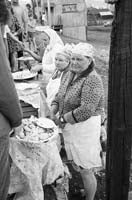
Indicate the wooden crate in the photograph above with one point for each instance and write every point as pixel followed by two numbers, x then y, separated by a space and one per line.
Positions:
pixel 28 110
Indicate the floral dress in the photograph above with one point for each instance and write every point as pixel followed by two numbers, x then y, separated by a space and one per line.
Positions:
pixel 14 27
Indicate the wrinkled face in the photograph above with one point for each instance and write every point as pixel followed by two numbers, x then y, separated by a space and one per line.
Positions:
pixel 61 62
pixel 79 63
pixel 42 40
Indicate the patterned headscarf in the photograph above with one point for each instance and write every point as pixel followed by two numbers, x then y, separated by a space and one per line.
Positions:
pixel 66 51
pixel 84 49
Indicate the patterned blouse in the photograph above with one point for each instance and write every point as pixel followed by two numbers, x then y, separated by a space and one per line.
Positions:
pixel 79 99
pixel 14 27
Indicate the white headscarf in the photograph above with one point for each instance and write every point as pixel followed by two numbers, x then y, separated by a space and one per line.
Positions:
pixel 84 49
pixel 55 43
pixel 54 37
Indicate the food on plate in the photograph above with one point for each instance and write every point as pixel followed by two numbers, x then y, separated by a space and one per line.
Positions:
pixel 37 129
pixel 45 123
pixel 25 74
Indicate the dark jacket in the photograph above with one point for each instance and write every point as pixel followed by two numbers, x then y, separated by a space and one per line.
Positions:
pixel 10 111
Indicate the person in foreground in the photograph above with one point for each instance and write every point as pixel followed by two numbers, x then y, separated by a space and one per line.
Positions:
pixel 10 112
pixel 80 101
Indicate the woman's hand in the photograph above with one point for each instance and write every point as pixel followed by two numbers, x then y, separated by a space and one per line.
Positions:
pixel 57 121
pixel 36 68
pixel 26 50
pixel 18 130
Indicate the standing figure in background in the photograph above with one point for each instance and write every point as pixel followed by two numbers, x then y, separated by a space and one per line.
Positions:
pixel 31 31
pixel 10 112
pixel 13 30
pixel 44 19
pixel 22 17
pixel 62 63
pixel 29 9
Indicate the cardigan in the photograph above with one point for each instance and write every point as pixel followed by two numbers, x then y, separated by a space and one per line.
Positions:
pixel 79 99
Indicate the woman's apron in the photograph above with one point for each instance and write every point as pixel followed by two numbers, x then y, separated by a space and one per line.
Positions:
pixel 52 89
pixel 82 142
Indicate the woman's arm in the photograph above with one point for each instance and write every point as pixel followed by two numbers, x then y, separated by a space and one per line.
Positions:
pixel 34 55
pixel 55 105
pixel 92 92
pixel 15 39
pixel 54 110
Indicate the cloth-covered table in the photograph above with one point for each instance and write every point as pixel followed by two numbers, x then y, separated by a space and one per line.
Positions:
pixel 32 93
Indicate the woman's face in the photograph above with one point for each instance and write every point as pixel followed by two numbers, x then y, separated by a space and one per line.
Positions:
pixel 61 62
pixel 42 40
pixel 79 63
pixel 45 39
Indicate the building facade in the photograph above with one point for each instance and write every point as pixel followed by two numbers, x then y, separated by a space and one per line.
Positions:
pixel 72 14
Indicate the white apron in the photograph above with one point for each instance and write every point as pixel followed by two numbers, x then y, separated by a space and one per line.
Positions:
pixel 52 89
pixel 82 142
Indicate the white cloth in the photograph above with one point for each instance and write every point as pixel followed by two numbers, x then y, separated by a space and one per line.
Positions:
pixel 82 142
pixel 7 30
pixel 31 96
pixel 44 109
pixel 34 165
pixel 55 44
pixel 52 89
pixel 54 37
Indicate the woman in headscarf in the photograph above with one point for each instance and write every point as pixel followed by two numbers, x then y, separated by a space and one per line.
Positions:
pixel 80 102
pixel 62 64
pixel 10 112
pixel 48 40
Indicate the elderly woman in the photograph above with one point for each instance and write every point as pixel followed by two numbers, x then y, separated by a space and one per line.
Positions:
pixel 48 43
pixel 80 102
pixel 62 63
